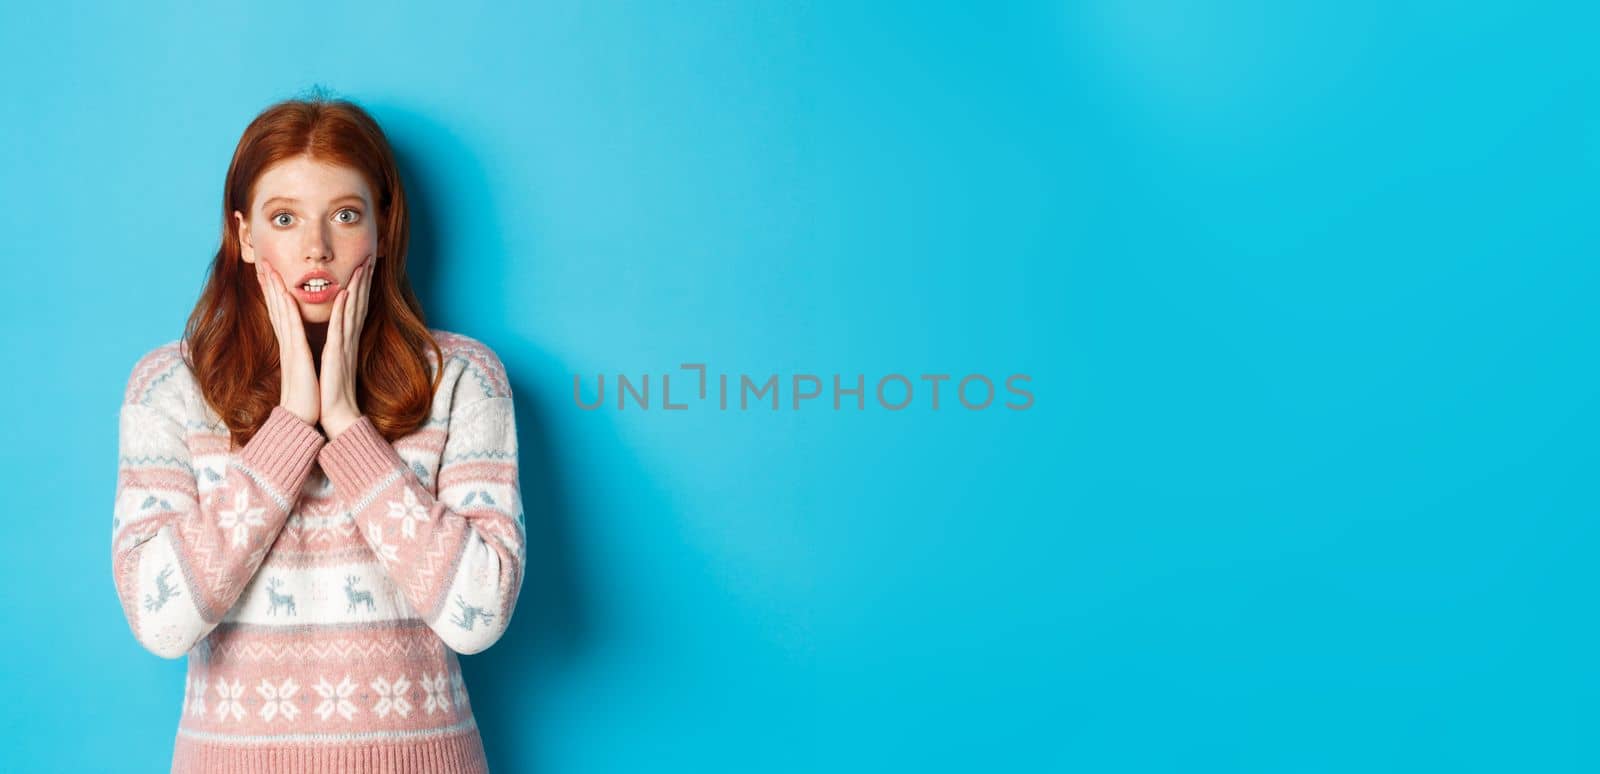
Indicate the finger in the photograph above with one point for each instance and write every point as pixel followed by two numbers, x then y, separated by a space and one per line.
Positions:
pixel 359 314
pixel 366 290
pixel 290 311
pixel 353 307
pixel 353 334
pixel 276 303
pixel 356 321
pixel 330 350
pixel 336 319
pixel 341 307
pixel 268 299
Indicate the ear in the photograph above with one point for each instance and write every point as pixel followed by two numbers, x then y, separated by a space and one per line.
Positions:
pixel 245 249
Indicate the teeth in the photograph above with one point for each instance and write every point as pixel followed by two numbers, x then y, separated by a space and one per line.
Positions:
pixel 317 284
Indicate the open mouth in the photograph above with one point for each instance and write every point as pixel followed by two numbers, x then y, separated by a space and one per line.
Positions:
pixel 319 290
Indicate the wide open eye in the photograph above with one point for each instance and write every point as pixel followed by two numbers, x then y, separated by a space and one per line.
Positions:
pixel 355 215
pixel 276 219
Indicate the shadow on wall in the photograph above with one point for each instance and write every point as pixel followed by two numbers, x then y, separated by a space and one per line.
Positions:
pixel 548 630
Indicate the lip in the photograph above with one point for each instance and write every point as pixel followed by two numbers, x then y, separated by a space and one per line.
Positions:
pixel 320 297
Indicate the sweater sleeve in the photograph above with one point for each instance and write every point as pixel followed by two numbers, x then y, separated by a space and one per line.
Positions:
pixel 188 534
pixel 458 556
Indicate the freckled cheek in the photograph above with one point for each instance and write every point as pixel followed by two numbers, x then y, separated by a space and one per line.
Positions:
pixel 278 253
pixel 280 263
pixel 357 247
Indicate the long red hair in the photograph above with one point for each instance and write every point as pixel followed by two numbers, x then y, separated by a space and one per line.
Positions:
pixel 230 344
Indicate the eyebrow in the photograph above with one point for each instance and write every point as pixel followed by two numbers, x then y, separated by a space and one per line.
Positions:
pixel 292 200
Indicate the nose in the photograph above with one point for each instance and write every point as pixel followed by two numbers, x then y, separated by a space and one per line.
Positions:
pixel 317 248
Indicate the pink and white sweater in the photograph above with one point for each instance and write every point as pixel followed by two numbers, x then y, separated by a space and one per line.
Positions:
pixel 321 589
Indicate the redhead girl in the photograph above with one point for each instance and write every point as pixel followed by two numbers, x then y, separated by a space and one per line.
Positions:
pixel 317 495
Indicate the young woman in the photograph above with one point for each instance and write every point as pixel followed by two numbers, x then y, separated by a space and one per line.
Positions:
pixel 317 495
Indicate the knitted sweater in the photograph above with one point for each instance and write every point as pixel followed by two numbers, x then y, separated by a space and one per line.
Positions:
pixel 322 589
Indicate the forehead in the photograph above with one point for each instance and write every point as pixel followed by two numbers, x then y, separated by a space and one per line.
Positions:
pixel 309 182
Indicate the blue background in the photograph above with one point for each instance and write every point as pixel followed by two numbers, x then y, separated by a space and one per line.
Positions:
pixel 1307 295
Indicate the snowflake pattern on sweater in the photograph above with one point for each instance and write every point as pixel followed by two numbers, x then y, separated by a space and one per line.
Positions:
pixel 321 589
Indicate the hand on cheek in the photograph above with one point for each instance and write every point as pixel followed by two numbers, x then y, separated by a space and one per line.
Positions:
pixel 339 353
pixel 299 391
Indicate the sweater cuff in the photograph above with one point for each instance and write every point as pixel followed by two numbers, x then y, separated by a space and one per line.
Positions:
pixel 283 449
pixel 359 457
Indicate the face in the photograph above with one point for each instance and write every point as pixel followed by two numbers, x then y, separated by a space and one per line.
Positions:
pixel 310 220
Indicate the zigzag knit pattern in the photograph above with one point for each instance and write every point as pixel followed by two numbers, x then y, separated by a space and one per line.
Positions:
pixel 322 589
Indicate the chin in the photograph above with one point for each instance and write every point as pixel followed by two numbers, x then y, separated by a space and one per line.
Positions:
pixel 320 313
